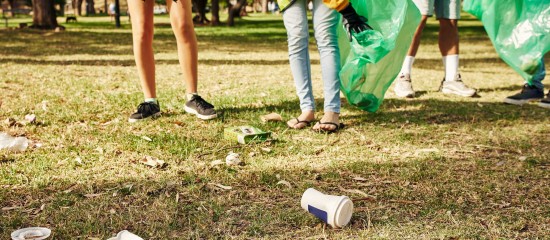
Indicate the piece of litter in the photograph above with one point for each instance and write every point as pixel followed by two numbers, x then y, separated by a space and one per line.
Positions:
pixel 232 159
pixel 267 150
pixel 220 186
pixel 272 117
pixel 126 235
pixel 10 208
pixel 35 233
pixel 147 138
pixel 93 195
pixel 31 118
pixel 522 158
pixel 216 163
pixel 359 179
pixel 112 211
pixel 286 183
pixel 15 144
pixel 78 160
pixel 153 162
pixel 45 105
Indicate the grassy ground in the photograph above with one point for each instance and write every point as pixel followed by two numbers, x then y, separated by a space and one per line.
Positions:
pixel 436 166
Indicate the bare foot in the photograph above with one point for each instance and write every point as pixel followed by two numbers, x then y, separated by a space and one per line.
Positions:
pixel 302 121
pixel 328 117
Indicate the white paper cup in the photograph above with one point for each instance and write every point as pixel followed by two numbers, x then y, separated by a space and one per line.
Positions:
pixel 35 233
pixel 336 211
pixel 126 235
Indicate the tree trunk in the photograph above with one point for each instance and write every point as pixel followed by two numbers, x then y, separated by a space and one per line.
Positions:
pixel 215 12
pixel 77 7
pixel 12 7
pixel 90 9
pixel 235 11
pixel 43 14
pixel 106 7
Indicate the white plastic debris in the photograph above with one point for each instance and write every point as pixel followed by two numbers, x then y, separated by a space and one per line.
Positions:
pixel 35 233
pixel 232 159
pixel 16 144
pixel 126 235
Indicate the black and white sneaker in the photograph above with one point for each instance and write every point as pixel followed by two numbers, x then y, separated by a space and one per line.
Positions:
pixel 145 110
pixel 527 94
pixel 545 102
pixel 200 107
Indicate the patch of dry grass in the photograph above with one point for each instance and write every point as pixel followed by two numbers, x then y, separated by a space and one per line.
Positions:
pixel 435 167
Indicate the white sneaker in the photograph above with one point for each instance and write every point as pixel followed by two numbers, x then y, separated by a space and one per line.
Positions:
pixel 403 86
pixel 457 87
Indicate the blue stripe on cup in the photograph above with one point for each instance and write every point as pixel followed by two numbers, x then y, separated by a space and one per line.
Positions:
pixel 318 213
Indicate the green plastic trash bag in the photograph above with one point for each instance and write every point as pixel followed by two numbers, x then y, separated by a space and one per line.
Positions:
pixel 519 30
pixel 373 59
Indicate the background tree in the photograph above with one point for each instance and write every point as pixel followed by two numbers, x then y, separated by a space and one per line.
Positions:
pixel 235 11
pixel 90 9
pixel 77 7
pixel 215 13
pixel 200 7
pixel 44 16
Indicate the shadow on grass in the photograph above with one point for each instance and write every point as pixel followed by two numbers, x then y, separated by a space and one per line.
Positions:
pixel 101 62
pixel 418 111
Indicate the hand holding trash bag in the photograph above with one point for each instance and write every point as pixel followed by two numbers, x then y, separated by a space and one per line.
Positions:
pixel 353 23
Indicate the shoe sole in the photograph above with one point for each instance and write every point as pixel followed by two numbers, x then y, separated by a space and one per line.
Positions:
pixel 203 117
pixel 519 102
pixel 447 91
pixel 156 115
pixel 544 105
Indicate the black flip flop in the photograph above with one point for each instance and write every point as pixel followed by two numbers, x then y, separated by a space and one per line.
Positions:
pixel 298 122
pixel 338 127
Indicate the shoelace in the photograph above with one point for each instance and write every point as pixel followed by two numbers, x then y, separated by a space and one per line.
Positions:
pixel 145 107
pixel 201 103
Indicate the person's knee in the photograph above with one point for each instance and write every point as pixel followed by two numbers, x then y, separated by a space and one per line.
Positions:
pixel 297 39
pixel 448 23
pixel 144 33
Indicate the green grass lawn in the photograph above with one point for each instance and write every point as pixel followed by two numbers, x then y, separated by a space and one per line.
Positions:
pixel 434 167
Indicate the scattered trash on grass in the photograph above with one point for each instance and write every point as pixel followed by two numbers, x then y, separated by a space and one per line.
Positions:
pixel 219 186
pixel 216 163
pixel 286 183
pixel 361 179
pixel 15 144
pixel 153 162
pixel 30 118
pixel 232 159
pixel 125 235
pixel 267 150
pixel 245 134
pixel 336 211
pixel 34 233
pixel 272 117
pixel 147 138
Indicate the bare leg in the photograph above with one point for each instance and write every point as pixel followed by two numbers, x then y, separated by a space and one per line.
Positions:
pixel 182 25
pixel 448 36
pixel 142 32
pixel 416 39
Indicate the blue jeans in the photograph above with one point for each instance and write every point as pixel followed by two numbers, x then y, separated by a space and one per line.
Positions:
pixel 325 23
pixel 539 76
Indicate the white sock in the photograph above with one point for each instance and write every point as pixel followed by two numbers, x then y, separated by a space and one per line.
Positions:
pixel 451 67
pixel 407 65
pixel 190 95
pixel 153 100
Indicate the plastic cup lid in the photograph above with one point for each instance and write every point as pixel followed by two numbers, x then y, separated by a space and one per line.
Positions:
pixel 343 213
pixel 34 233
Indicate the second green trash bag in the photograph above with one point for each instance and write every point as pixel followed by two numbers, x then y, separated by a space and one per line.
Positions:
pixel 519 30
pixel 372 61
